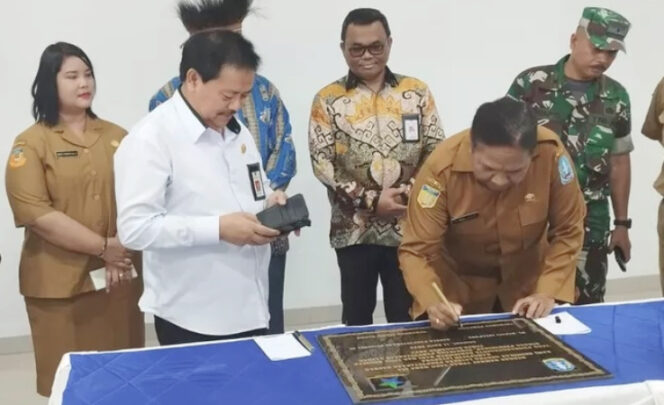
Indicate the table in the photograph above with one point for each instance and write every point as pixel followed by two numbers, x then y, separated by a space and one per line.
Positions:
pixel 626 339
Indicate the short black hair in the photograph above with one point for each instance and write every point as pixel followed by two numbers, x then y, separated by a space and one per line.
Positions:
pixel 208 52
pixel 504 122
pixel 364 16
pixel 46 103
pixel 198 15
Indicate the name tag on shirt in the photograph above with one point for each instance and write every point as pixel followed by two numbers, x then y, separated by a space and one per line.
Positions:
pixel 411 127
pixel 66 154
pixel 256 180
pixel 465 218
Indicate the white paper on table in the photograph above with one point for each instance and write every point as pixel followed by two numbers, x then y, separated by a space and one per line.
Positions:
pixel 281 347
pixel 99 277
pixel 568 324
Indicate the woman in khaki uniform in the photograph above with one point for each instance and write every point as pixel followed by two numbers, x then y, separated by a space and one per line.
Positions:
pixel 496 220
pixel 59 182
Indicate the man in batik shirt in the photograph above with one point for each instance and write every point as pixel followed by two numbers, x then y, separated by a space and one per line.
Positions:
pixel 369 132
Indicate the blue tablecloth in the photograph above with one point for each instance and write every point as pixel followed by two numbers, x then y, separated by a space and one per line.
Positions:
pixel 626 339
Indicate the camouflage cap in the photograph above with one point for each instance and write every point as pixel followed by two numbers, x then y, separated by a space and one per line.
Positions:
pixel 605 28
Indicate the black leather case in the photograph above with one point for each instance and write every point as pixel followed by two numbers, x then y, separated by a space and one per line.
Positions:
pixel 286 218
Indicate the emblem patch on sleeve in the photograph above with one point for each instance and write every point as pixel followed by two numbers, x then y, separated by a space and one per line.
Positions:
pixel 565 170
pixel 427 196
pixel 17 158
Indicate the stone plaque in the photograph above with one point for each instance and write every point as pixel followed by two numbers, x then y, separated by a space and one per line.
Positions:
pixel 413 362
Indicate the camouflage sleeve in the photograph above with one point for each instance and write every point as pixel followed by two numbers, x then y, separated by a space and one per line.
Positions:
pixel 622 145
pixel 623 121
pixel 653 126
pixel 517 90
pixel 322 149
pixel 622 125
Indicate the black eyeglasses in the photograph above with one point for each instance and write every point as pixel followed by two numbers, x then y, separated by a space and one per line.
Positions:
pixel 376 49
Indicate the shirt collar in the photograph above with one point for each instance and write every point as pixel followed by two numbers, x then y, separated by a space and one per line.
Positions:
pixel 557 78
pixel 194 122
pixel 352 81
pixel 93 127
pixel 93 124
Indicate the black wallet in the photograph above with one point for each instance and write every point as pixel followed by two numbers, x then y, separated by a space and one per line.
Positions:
pixel 286 218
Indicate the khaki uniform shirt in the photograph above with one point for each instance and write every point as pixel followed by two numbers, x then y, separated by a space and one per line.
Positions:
pixel 49 169
pixel 653 127
pixel 482 245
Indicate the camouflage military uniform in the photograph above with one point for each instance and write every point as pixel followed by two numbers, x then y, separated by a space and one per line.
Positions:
pixel 593 125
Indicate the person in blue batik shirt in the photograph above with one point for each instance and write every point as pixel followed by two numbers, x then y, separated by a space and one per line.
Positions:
pixel 263 113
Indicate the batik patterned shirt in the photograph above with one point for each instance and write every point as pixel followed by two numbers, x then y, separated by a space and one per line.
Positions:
pixel 362 142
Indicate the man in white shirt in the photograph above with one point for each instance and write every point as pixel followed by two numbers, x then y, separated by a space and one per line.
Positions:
pixel 188 185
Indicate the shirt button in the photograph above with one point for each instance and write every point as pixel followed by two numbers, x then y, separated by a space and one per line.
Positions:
pixel 93 173
pixel 86 150
pixel 96 197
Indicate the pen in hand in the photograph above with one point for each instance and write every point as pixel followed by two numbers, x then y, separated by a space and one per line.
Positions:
pixel 445 301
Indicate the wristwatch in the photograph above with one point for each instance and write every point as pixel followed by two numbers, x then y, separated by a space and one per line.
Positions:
pixel 627 223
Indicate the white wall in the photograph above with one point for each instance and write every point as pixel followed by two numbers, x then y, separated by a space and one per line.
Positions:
pixel 467 51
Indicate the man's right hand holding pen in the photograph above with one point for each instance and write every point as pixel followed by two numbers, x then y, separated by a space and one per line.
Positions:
pixel 442 318
pixel 444 314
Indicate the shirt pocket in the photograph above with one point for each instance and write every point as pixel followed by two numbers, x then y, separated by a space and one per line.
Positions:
pixel 466 231
pixel 72 172
pixel 533 218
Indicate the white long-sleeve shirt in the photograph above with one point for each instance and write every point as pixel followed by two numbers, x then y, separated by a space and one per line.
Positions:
pixel 173 179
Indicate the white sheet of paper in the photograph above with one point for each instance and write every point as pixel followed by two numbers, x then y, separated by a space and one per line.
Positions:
pixel 281 347
pixel 568 324
pixel 99 277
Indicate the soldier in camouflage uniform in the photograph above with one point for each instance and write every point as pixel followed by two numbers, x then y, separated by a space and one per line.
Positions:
pixel 591 114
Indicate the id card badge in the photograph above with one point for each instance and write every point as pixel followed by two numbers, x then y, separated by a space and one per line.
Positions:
pixel 411 127
pixel 256 180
